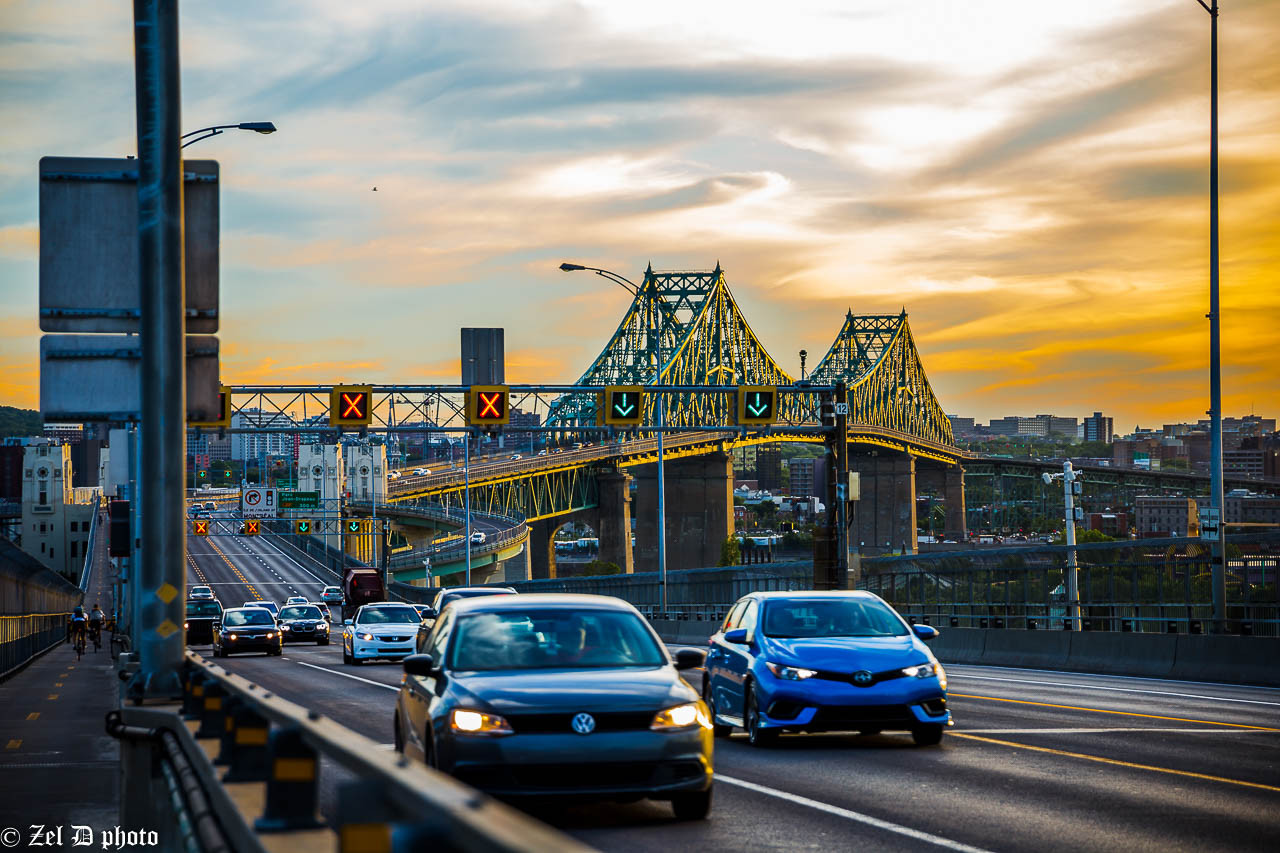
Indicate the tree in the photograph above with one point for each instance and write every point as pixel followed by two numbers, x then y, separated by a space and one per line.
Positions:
pixel 1084 536
pixel 730 552
pixel 601 567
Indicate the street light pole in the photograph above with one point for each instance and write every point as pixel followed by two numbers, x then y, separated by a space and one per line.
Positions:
pixel 263 127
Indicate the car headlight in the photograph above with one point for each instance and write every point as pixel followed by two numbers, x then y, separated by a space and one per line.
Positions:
pixel 366 636
pixel 681 717
pixel 231 636
pixel 791 673
pixel 928 669
pixel 478 723
pixel 186 624
pixel 271 634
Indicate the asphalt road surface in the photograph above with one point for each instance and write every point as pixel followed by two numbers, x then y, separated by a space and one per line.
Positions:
pixel 1037 760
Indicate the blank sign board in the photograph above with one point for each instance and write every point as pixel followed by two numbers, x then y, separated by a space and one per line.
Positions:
pixel 99 378
pixel 89 244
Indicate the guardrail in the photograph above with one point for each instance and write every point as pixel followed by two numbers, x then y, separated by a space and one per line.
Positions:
pixel 34 604
pixel 273 751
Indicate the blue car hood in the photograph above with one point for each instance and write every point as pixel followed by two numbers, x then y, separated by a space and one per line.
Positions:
pixel 551 690
pixel 844 654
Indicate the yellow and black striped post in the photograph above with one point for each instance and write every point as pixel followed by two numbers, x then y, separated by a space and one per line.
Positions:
pixel 211 711
pixel 292 783
pixel 248 751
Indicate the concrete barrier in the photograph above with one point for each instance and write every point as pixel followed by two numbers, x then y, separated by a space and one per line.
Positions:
pixel 1034 649
pixel 1121 654
pixel 959 645
pixel 1245 660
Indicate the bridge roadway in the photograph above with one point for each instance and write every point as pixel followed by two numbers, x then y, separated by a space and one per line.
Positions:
pixel 1037 760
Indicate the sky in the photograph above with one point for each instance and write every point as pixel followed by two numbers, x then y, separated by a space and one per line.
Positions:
pixel 1029 180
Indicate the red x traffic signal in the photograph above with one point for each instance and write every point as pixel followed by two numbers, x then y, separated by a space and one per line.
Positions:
pixel 487 405
pixel 200 527
pixel 251 527
pixel 351 406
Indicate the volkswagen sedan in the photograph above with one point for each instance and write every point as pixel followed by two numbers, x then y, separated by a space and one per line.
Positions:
pixel 304 623
pixel 824 661
pixel 563 696
pixel 246 629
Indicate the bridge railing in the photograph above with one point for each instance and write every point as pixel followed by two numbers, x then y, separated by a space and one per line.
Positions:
pixel 34 604
pixel 1143 586
pixel 274 752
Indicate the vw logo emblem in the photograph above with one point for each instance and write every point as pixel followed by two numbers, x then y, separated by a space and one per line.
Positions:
pixel 584 724
pixel 862 678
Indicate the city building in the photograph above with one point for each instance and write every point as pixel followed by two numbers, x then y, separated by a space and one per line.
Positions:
pixel 808 476
pixel 1158 516
pixel 11 472
pixel 1113 524
pixel 1257 457
pixel 261 445
pixel 1043 426
pixel 1097 428
pixel 769 467
pixel 961 427
pixel 1240 506
pixel 56 516
pixel 366 472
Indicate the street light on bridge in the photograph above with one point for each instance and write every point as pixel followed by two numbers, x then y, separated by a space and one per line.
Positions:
pixel 263 127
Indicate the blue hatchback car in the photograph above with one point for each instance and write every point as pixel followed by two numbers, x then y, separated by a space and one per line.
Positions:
pixel 823 661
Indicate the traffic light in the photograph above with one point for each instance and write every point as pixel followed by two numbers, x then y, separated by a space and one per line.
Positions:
pixel 757 405
pixel 351 406
pixel 120 543
pixel 487 405
pixel 200 527
pixel 224 408
pixel 202 474
pixel 622 405
pixel 352 526
pixel 251 527
pixel 302 526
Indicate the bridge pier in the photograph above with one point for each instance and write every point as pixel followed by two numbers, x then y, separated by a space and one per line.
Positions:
pixel 542 554
pixel 935 478
pixel 610 519
pixel 885 514
pixel 699 511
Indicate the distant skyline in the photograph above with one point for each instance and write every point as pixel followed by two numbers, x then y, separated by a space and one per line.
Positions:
pixel 1029 180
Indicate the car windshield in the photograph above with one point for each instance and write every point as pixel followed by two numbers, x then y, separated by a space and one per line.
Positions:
pixel 203 608
pixel 248 616
pixel 831 617
pixel 553 639
pixel 298 611
pixel 449 596
pixel 388 615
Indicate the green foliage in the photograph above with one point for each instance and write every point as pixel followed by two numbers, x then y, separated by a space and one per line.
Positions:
pixel 20 422
pixel 1084 536
pixel 601 567
pixel 730 552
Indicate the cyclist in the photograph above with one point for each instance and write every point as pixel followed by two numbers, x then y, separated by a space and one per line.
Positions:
pixel 96 617
pixel 79 622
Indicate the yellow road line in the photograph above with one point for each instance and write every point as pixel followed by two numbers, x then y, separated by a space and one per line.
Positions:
pixel 239 574
pixel 34 715
pixel 13 744
pixel 1118 763
pixel 52 696
pixel 1121 713
pixel 196 568
pixel 57 684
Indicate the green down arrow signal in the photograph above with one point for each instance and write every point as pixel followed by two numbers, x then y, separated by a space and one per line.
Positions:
pixel 758 408
pixel 621 407
pixel 303 527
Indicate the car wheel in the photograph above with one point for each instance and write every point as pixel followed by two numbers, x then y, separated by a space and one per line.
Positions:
pixel 693 806
pixel 429 746
pixel 322 642
pixel 717 729
pixel 930 735
pixel 756 735
pixel 399 737
pixel 346 656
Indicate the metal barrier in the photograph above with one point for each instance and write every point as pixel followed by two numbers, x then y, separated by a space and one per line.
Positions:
pixel 34 603
pixel 23 637
pixel 273 749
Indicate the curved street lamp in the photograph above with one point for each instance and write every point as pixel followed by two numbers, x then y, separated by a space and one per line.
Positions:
pixel 625 283
pixel 255 126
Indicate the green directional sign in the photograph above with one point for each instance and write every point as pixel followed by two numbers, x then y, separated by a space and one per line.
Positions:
pixel 757 405
pixel 622 405
pixel 299 500
pixel 353 526
pixel 302 526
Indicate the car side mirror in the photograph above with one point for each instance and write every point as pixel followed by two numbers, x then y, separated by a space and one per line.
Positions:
pixel 925 632
pixel 738 636
pixel 428 612
pixel 690 658
pixel 422 665
pixel 346 621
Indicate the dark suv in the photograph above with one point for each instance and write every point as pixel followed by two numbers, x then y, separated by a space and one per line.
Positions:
pixel 201 614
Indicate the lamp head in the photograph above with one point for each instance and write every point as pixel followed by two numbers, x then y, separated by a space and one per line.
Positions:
pixel 257 126
pixel 568 267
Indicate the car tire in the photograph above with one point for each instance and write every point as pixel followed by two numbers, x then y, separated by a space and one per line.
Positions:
pixel 346 656
pixel 717 729
pixel 692 806
pixel 929 735
pixel 322 642
pixel 756 736
pixel 399 738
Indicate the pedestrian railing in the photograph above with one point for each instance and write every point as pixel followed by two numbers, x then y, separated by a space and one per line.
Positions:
pixel 274 752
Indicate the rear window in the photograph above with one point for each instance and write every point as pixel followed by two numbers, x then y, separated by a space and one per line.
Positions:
pixel 298 611
pixel 203 608
pixel 251 616
pixel 553 639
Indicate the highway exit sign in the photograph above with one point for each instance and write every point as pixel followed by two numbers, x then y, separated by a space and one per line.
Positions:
pixel 290 499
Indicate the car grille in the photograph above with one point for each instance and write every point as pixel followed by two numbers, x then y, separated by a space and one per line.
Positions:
pixel 592 776
pixel 847 677
pixel 856 716
pixel 606 721
pixel 391 639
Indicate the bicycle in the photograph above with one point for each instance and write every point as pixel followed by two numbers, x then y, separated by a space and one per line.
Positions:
pixel 95 634
pixel 79 633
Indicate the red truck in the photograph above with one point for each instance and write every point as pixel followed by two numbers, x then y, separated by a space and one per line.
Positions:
pixel 361 585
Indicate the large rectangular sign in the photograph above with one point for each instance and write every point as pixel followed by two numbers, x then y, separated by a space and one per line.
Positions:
pixel 290 499
pixel 89 276
pixel 259 502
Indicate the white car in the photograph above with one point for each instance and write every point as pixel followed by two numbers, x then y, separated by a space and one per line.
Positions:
pixel 385 630
pixel 296 599
pixel 420 472
pixel 477 538
pixel 516 456
pixel 201 592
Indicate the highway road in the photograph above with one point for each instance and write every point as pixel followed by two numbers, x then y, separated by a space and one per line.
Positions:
pixel 1037 760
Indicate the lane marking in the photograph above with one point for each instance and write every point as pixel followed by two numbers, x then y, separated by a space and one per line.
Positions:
pixel 1105 731
pixel 257 595
pixel 876 822
pixel 1113 689
pixel 51 697
pixel 1165 680
pixel 1106 711
pixel 34 715
pixel 1118 763
pixel 15 743
pixel 349 675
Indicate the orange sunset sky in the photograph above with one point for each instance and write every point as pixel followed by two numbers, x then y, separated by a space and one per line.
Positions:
pixel 1028 179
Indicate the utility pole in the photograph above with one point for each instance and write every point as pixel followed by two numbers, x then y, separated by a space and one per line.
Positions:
pixel 1070 488
pixel 843 581
pixel 160 579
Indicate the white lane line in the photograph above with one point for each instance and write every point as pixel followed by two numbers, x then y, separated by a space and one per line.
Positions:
pixel 876 822
pixel 1166 679
pixel 348 675
pixel 962 675
pixel 281 552
pixel 1108 731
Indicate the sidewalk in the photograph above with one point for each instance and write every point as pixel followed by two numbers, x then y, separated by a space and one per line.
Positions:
pixel 58 766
